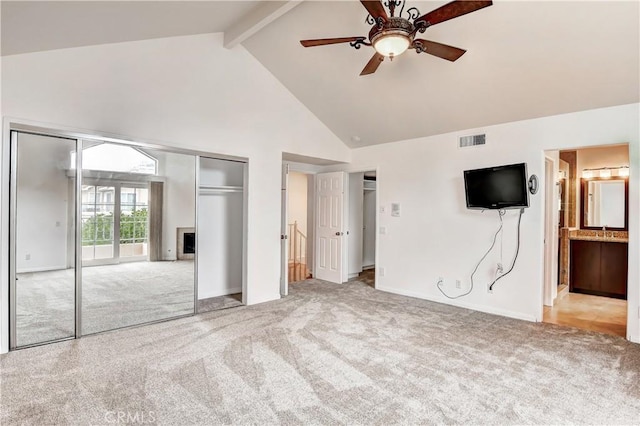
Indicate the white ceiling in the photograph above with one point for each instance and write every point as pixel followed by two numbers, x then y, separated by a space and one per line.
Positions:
pixel 524 59
pixel 31 26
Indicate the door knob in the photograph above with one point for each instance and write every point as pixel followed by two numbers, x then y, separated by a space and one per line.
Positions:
pixel 338 233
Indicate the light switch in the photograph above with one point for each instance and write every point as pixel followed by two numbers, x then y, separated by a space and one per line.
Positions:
pixel 383 209
pixel 395 209
pixel 383 230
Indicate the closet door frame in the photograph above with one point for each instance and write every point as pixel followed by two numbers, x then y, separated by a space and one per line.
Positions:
pixel 11 127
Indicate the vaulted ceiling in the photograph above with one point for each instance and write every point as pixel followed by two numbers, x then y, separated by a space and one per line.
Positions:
pixel 525 59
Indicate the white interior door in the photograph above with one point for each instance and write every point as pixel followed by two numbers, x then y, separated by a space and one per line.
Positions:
pixel 330 226
pixel 284 246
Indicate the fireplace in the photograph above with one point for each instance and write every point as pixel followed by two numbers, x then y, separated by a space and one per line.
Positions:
pixel 186 243
pixel 189 243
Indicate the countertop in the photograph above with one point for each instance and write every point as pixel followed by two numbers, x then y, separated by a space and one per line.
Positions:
pixel 599 238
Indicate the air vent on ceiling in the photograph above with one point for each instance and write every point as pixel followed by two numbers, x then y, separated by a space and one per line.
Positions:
pixel 473 140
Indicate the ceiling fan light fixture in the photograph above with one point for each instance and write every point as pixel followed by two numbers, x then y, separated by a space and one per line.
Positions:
pixel 391 43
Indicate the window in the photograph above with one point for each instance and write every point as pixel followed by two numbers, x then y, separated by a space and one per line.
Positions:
pixel 116 158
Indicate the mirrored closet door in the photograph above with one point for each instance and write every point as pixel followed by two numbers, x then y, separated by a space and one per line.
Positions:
pixel 138 215
pixel 112 249
pixel 43 253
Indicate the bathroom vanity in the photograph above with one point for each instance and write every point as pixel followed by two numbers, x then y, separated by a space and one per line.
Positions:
pixel 599 249
pixel 599 266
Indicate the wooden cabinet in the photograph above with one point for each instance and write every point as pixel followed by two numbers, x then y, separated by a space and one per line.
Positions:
pixel 599 268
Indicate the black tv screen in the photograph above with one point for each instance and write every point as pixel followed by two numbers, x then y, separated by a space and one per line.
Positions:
pixel 501 187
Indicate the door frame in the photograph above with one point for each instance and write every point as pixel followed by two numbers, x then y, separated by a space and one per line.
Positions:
pixel 377 233
pixel 550 284
pixel 284 243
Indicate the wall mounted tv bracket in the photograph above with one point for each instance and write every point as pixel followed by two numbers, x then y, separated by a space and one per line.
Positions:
pixel 533 184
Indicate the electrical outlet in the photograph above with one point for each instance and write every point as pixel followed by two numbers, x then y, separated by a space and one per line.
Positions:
pixel 489 289
pixel 383 230
pixel 500 269
pixel 381 271
pixel 441 280
pixel 383 210
pixel 458 284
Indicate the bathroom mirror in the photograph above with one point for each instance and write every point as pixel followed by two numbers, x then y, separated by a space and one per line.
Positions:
pixel 604 203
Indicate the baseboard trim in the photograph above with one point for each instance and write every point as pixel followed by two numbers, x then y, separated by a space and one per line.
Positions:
pixel 473 307
pixel 43 269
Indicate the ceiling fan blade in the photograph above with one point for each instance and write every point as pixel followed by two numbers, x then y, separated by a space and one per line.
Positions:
pixel 450 11
pixel 325 41
pixel 375 9
pixel 440 50
pixel 373 64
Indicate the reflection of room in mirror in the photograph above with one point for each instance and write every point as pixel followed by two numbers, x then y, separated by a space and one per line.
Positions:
pixel 185 241
pixel 606 205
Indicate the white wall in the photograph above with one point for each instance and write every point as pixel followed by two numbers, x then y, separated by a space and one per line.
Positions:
pixel 220 229
pixel 187 92
pixel 355 223
pixel 42 208
pixel 437 236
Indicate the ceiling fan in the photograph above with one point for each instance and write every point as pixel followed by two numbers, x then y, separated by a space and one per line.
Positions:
pixel 392 35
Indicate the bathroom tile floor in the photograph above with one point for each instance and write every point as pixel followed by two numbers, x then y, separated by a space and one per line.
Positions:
pixel 595 313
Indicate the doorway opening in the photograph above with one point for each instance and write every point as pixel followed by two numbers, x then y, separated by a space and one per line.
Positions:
pixel 362 227
pixel 587 204
pixel 220 238
pixel 299 190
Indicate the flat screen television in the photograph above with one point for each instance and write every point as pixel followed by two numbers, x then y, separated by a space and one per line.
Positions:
pixel 501 187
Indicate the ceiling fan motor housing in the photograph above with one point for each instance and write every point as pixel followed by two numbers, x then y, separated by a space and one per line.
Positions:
pixel 393 26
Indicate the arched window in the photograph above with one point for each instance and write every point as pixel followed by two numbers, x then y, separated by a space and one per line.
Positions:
pixel 116 158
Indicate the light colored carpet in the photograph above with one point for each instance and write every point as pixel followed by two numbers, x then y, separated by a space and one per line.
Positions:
pixel 113 296
pixel 220 302
pixel 329 354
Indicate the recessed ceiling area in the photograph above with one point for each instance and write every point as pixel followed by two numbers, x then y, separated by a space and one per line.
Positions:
pixel 523 60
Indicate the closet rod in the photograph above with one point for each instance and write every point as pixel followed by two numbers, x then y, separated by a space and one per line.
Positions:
pixel 218 191
pixel 205 186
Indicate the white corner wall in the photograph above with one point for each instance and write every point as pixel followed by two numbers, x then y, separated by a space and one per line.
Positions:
pixel 436 236
pixel 188 92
